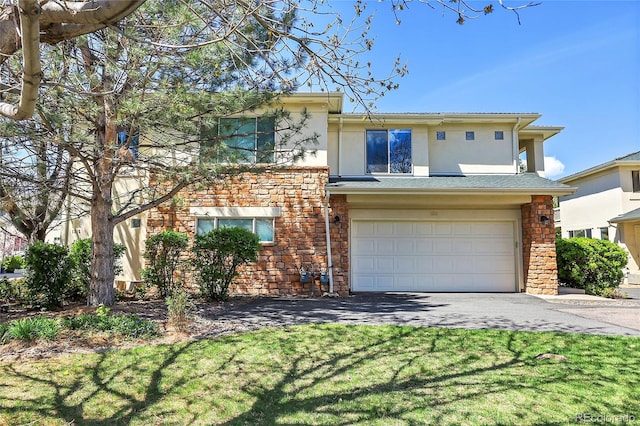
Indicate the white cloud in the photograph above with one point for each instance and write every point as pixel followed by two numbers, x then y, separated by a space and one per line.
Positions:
pixel 552 167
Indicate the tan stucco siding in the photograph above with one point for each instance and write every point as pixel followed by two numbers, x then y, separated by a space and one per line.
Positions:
pixel 316 124
pixel 591 211
pixel 483 155
pixel 595 184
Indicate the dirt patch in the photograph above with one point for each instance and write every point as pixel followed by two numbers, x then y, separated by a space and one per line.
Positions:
pixel 206 320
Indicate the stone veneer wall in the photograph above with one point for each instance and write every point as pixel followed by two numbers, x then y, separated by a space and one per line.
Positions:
pixel 539 246
pixel 299 232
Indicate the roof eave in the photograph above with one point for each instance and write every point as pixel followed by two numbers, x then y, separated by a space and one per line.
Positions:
pixel 599 168
pixel 449 191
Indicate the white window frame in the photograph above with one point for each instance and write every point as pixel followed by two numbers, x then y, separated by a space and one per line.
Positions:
pixel 252 213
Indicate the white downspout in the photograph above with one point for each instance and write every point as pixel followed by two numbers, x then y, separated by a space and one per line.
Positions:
pixel 340 126
pixel 326 225
pixel 516 143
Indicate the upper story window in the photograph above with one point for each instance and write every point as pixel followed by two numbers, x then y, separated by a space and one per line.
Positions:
pixel 498 135
pixel 130 138
pixel 389 151
pixel 635 179
pixel 470 136
pixel 441 136
pixel 240 140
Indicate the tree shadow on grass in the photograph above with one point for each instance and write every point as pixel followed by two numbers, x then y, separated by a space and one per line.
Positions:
pixel 105 374
pixel 314 374
pixel 295 397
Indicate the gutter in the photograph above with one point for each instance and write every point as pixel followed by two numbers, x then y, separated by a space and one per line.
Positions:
pixel 328 235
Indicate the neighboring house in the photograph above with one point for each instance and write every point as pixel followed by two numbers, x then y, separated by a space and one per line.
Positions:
pixel 12 242
pixel 606 205
pixel 403 202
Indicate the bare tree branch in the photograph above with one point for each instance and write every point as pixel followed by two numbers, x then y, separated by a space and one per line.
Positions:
pixel 32 73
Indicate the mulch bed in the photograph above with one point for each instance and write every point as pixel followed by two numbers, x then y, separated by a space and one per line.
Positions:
pixel 205 322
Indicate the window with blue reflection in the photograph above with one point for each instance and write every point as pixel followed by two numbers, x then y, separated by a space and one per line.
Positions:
pixel 245 140
pixel 388 151
pixel 205 225
pixel 377 151
pixel 264 230
pixel 133 141
pixel 400 151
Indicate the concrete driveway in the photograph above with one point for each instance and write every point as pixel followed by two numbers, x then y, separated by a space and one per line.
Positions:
pixel 456 310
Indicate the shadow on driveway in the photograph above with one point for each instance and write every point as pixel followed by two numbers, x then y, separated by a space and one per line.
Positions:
pixel 504 311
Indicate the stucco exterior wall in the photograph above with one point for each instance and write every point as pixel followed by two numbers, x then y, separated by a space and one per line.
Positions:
pixel 483 155
pixel 455 155
pixel 601 197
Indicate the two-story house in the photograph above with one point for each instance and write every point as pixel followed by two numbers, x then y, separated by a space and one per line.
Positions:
pixel 400 202
pixel 606 205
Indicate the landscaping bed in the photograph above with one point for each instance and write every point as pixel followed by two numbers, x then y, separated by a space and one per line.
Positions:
pixel 203 323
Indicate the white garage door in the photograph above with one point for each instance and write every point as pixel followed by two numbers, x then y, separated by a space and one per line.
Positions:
pixel 427 256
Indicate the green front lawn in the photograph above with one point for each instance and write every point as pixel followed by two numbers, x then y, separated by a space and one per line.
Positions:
pixel 333 374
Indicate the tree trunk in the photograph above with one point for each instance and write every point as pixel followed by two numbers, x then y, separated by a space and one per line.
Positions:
pixel 102 276
pixel 102 222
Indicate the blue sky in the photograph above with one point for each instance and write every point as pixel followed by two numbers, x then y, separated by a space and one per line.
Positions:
pixel 575 62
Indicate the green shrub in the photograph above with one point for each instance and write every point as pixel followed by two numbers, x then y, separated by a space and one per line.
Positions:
pixel 48 273
pixel 85 322
pixel 128 326
pixel 9 290
pixel 34 328
pixel 218 254
pixel 4 333
pixel 11 263
pixel 594 265
pixel 162 255
pixel 179 307
pixel 132 326
pixel 80 255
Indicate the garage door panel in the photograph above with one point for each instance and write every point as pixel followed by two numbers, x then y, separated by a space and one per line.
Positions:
pixel 423 228
pixel 365 246
pixel 493 228
pixel 463 228
pixel 424 265
pixel 497 246
pixel 433 256
pixel 405 246
pixel 462 246
pixel 404 228
pixel 443 246
pixel 384 228
pixel 424 246
pixel 405 263
pixel 442 228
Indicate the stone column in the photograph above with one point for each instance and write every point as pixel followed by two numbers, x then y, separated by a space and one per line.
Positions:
pixel 539 246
